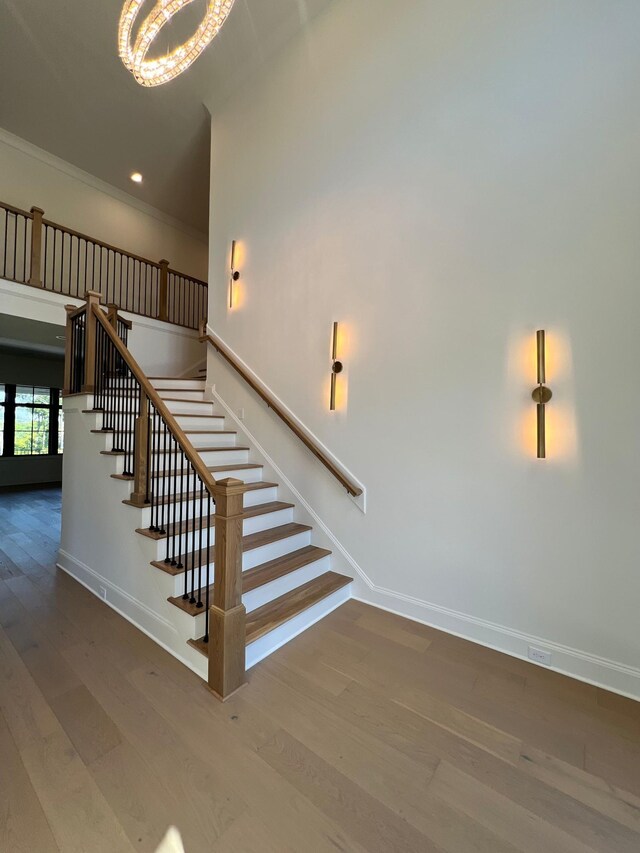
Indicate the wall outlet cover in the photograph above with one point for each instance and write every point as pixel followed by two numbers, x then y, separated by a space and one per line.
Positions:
pixel 539 655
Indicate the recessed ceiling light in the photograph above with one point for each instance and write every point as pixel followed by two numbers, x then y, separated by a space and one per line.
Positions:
pixel 60 338
pixel 136 177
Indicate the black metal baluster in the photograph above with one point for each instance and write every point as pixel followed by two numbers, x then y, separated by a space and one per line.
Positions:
pixel 166 481
pixel 202 521
pixel 154 463
pixel 207 573
pixel 192 599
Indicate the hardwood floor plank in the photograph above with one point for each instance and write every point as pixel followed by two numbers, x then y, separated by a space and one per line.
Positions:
pixel 368 821
pixel 367 732
pixel 500 814
pixel 23 825
pixel 79 817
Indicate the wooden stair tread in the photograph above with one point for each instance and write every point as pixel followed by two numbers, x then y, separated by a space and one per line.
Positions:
pixel 222 448
pixel 186 431
pixel 171 499
pixel 188 525
pixel 182 400
pixel 218 469
pixel 191 415
pixel 261 575
pixel 282 609
pixel 249 543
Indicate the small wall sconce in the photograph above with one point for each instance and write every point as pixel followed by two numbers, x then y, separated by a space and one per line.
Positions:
pixel 336 368
pixel 235 275
pixel 541 394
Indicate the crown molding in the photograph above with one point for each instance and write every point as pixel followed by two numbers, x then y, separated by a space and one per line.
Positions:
pixel 72 171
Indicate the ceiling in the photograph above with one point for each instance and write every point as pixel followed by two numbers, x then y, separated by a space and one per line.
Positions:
pixel 64 89
pixel 31 336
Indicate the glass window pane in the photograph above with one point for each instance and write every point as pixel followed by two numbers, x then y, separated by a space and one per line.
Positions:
pixel 41 431
pixel 24 394
pixel 32 431
pixel 42 396
pixel 1 430
pixel 2 393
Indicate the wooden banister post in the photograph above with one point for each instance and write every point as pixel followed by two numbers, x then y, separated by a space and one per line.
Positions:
pixel 112 315
pixel 163 308
pixel 92 299
pixel 68 355
pixel 35 279
pixel 140 494
pixel 227 616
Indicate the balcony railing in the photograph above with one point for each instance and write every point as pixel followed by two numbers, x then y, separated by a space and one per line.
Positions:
pixel 43 254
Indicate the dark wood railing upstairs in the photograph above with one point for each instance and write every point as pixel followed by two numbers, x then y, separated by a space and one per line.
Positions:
pixel 41 253
pixel 170 478
pixel 285 417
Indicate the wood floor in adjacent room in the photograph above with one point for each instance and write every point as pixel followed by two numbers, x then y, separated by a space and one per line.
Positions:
pixel 367 733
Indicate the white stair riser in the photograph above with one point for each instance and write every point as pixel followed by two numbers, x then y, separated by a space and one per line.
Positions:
pixel 166 461
pixel 200 422
pixel 193 626
pixel 256 476
pixel 258 556
pixel 188 542
pixel 213 439
pixel 260 496
pixel 179 384
pixel 186 509
pixel 189 407
pixel 263 647
pixel 183 394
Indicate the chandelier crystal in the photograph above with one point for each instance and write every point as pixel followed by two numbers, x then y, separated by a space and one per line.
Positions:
pixel 155 72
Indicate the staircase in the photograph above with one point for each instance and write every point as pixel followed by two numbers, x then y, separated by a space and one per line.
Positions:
pixel 206 548
pixel 287 582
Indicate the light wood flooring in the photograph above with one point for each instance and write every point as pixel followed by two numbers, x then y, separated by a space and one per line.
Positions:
pixel 367 733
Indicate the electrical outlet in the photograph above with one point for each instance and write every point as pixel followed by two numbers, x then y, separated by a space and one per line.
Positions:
pixel 103 593
pixel 539 656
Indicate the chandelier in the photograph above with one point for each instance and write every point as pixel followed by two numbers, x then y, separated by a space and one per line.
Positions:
pixel 155 72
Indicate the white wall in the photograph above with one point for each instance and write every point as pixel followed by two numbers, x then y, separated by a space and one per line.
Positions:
pixel 161 349
pixel 30 177
pixel 444 178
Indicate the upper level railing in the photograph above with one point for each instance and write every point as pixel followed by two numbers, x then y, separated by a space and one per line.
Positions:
pixel 168 476
pixel 36 251
pixel 295 427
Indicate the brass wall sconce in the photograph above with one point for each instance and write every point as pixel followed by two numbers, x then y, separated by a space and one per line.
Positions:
pixel 235 275
pixel 336 368
pixel 541 394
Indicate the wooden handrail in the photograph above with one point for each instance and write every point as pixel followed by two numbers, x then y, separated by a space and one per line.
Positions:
pixel 16 210
pixel 173 426
pixel 305 438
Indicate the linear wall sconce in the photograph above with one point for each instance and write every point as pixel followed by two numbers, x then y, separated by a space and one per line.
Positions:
pixel 235 275
pixel 541 394
pixel 336 368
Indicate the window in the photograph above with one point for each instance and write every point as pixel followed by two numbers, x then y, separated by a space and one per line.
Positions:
pixel 30 421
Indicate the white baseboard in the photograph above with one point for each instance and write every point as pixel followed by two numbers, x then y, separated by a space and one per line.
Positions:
pixel 584 666
pixel 150 623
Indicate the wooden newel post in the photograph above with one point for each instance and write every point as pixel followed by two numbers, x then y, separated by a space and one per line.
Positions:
pixel 163 311
pixel 92 299
pixel 68 355
pixel 227 616
pixel 35 278
pixel 140 494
